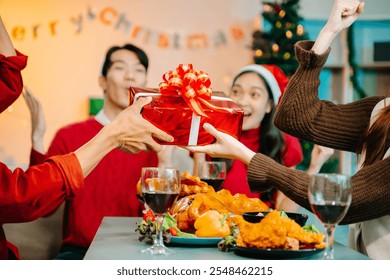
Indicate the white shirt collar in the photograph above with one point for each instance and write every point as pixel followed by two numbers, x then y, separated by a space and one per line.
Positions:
pixel 102 118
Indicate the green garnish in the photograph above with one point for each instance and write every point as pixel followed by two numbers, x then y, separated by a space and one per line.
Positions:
pixel 311 228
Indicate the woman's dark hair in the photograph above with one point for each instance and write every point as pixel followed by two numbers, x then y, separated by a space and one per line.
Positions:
pixel 376 140
pixel 271 140
pixel 143 58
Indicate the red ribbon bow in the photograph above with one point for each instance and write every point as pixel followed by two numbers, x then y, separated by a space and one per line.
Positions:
pixel 192 85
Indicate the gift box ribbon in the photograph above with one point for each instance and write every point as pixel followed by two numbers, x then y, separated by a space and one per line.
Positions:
pixel 193 86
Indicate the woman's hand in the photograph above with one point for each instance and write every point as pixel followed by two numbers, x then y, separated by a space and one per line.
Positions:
pixel 38 124
pixel 319 155
pixel 226 146
pixel 344 13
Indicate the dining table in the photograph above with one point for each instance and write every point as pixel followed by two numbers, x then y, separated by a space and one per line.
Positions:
pixel 117 239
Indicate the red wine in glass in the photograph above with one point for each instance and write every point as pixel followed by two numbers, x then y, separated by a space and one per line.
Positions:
pixel 216 183
pixel 213 173
pixel 330 196
pixel 140 198
pixel 330 213
pixel 160 188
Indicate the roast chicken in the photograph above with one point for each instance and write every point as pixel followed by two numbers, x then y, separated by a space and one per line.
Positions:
pixel 196 197
pixel 187 209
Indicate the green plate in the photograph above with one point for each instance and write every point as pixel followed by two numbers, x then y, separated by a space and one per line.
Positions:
pixel 194 241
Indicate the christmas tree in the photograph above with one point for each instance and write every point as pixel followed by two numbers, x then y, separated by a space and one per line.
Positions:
pixel 276 46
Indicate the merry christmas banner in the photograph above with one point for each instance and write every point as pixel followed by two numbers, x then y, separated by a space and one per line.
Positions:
pixel 111 17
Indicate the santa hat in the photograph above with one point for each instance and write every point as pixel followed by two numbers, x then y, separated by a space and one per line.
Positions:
pixel 272 74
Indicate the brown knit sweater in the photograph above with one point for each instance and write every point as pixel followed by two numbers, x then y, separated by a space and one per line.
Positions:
pixel 303 115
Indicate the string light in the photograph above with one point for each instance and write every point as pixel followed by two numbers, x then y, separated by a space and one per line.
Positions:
pixel 300 30
pixel 286 56
pixel 275 48
pixel 258 53
pixel 289 34
pixel 267 8
pixel 278 24
pixel 282 13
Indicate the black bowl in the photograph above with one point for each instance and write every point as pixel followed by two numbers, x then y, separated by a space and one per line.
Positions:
pixel 255 217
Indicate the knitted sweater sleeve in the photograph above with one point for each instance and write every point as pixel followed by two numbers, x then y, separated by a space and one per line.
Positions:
pixel 371 186
pixel 302 114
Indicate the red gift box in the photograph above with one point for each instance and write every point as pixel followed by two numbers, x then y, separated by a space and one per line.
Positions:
pixel 184 103
pixel 171 114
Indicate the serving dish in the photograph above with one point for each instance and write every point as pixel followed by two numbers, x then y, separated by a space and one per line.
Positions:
pixel 255 217
pixel 275 253
pixel 194 241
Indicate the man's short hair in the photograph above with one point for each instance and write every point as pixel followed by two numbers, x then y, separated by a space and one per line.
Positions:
pixel 143 58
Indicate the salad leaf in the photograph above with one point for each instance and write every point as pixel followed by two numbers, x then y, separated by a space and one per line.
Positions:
pixel 311 228
pixel 169 222
pixel 283 214
pixel 185 234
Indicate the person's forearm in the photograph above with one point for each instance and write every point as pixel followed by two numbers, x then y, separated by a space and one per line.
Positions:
pixel 242 153
pixel 246 156
pixel 323 41
pixel 6 46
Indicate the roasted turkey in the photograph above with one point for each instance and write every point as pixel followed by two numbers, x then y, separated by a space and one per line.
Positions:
pixel 187 209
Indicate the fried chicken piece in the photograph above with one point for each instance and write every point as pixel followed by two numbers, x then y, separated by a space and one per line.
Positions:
pixel 274 232
pixel 240 203
pixel 187 209
pixel 193 185
pixel 189 185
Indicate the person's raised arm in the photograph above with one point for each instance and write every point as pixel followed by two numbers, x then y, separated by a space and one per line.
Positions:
pixel 11 64
pixel 344 13
pixel 6 46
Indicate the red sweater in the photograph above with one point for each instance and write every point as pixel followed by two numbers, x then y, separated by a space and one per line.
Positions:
pixel 236 178
pixel 110 189
pixel 11 84
pixel 28 195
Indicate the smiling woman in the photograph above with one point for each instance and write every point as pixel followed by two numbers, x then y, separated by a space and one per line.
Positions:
pixel 256 89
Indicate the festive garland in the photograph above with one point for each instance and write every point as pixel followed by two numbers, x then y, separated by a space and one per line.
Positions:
pixel 352 63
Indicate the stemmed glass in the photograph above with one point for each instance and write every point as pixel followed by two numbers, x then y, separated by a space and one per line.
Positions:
pixel 330 196
pixel 213 173
pixel 160 188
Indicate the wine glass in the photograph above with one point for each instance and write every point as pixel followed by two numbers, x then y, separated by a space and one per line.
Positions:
pixel 213 173
pixel 160 188
pixel 330 196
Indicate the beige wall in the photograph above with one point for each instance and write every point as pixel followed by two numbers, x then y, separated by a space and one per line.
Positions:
pixel 64 64
pixel 66 47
